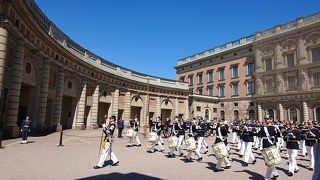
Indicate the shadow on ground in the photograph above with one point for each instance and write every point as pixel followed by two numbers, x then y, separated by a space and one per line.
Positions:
pixel 120 176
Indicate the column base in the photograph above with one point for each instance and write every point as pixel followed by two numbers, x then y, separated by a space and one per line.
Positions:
pixel 94 126
pixel 12 131
pixel 80 126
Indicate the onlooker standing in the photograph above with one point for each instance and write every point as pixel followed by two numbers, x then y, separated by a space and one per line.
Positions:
pixel 25 129
pixel 120 125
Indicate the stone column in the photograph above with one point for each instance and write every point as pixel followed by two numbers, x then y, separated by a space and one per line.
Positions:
pixel 14 89
pixel 3 54
pixel 301 52
pixel 176 107
pixel 158 106
pixel 305 112
pixel 278 63
pixel 281 112
pixel 81 107
pixel 259 113
pixel 115 105
pixel 146 114
pixel 186 114
pixel 127 108
pixel 258 62
pixel 58 100
pixel 94 109
pixel 43 93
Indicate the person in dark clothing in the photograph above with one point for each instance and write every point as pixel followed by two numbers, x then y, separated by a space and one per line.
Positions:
pixel 120 125
pixel 25 129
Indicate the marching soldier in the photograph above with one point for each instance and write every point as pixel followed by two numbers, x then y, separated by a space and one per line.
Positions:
pixel 292 137
pixel 135 125
pixel 222 133
pixel 248 140
pixel 25 129
pixel 310 140
pixel 268 134
pixel 107 144
pixel 156 127
pixel 179 127
pixel 192 133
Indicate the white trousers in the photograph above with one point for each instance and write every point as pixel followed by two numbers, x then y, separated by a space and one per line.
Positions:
pixel 303 147
pixel 104 155
pixel 242 147
pixel 293 153
pixel 311 155
pixel 158 141
pixel 180 140
pixel 239 143
pixel 199 146
pixel 271 171
pixel 248 152
pixel 225 160
pixel 135 136
pixel 204 143
pixel 235 138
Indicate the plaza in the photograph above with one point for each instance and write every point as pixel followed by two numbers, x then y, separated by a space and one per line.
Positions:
pixel 43 159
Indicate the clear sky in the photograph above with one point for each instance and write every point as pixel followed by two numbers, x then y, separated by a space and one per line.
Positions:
pixel 149 36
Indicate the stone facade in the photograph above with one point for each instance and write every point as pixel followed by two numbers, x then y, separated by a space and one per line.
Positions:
pixel 60 85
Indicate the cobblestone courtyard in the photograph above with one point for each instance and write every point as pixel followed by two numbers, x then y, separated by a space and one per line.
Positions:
pixel 42 159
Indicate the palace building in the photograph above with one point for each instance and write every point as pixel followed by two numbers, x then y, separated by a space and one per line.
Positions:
pixel 274 72
pixel 60 85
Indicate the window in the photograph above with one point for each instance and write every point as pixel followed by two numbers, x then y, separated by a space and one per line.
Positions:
pixel 293 113
pixel 315 54
pixel 269 85
pixel 190 80
pixel 291 83
pixel 222 115
pixel 251 104
pixel 250 87
pixel 316 79
pixel 182 79
pixel 290 60
pixel 206 114
pixel 200 78
pixel 268 63
pixel 28 68
pixel 210 76
pixel 236 115
pixel 235 104
pixel 198 108
pixel 191 90
pixel 221 74
pixel 235 88
pixel 250 69
pixel 215 110
pixel 251 114
pixel 235 71
pixel 222 105
pixel 210 91
pixel 200 91
pixel 221 91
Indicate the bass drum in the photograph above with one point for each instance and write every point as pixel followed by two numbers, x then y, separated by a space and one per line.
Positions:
pixel 220 150
pixel 173 142
pixel 130 133
pixel 152 137
pixel 191 144
pixel 271 156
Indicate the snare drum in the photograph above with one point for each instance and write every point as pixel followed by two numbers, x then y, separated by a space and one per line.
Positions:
pixel 130 133
pixel 152 137
pixel 191 144
pixel 173 142
pixel 220 150
pixel 271 156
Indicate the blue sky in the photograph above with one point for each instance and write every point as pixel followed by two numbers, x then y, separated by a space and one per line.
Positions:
pixel 149 36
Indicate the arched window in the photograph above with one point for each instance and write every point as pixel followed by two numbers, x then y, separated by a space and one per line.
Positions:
pixel 222 115
pixel 251 114
pixel 206 114
pixel 293 114
pixel 236 115
pixel 270 113
pixel 317 114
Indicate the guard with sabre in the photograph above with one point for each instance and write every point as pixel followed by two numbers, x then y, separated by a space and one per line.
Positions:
pixel 107 145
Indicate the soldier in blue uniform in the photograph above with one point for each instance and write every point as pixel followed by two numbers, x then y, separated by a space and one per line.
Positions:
pixel 311 137
pixel 135 124
pixel 247 137
pixel 292 137
pixel 25 129
pixel 268 136
pixel 157 128
pixel 222 133
pixel 107 144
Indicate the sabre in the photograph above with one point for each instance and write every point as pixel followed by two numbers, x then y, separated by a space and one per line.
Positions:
pixel 100 143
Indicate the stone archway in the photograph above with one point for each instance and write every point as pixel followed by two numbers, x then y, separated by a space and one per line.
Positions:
pixel 317 114
pixel 293 114
pixel 166 110
pixel 136 109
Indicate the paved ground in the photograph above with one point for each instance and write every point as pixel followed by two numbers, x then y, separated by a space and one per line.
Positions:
pixel 42 159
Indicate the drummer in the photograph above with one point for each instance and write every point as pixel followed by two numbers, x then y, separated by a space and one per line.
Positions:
pixel 174 125
pixel 268 134
pixel 192 134
pixel 222 132
pixel 135 124
pixel 180 128
pixel 156 127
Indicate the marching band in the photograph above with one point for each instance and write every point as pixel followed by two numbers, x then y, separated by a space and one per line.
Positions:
pixel 270 137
